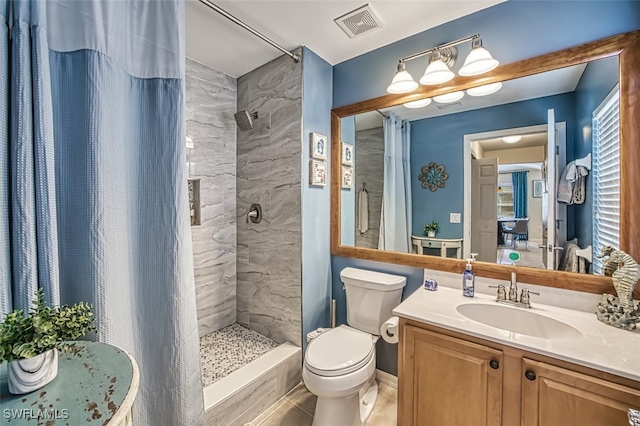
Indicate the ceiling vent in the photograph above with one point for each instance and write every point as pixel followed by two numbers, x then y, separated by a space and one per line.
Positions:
pixel 447 106
pixel 360 21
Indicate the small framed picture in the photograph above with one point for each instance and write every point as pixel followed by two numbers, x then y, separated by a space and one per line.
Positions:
pixel 538 188
pixel 317 173
pixel 318 146
pixel 347 177
pixel 347 154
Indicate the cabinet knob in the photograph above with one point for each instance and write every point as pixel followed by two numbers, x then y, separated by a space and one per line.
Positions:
pixel 530 375
pixel 494 364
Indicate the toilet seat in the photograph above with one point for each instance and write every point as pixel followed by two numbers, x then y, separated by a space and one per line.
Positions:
pixel 339 351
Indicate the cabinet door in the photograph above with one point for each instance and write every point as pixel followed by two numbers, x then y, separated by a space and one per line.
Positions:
pixel 448 381
pixel 556 396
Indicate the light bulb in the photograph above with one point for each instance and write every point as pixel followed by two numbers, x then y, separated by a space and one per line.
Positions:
pixel 478 61
pixel 449 97
pixel 418 104
pixel 437 72
pixel 402 82
pixel 512 139
pixel 485 90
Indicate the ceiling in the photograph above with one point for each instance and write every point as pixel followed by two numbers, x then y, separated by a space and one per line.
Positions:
pixel 554 82
pixel 528 141
pixel 217 42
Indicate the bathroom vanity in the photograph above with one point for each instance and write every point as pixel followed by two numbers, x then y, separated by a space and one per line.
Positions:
pixel 564 369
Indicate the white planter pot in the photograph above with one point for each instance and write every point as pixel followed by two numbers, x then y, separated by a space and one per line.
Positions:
pixel 431 234
pixel 28 375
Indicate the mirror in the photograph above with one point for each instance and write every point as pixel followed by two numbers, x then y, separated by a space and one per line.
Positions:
pixel 475 132
pixel 449 177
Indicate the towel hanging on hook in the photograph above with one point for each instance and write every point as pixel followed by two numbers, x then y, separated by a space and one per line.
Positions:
pixel 363 209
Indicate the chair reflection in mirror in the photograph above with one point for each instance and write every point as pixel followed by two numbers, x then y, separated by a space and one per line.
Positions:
pixel 518 228
pixel 619 311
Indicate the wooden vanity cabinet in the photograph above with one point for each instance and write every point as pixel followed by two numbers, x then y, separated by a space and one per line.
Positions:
pixel 447 378
pixel 553 395
pixel 466 378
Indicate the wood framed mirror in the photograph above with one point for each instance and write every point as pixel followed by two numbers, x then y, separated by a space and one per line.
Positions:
pixel 627 47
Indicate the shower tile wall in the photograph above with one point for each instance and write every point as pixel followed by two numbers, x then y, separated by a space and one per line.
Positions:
pixel 211 129
pixel 369 165
pixel 269 172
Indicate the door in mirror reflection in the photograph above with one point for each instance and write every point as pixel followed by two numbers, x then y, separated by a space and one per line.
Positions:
pixel 524 194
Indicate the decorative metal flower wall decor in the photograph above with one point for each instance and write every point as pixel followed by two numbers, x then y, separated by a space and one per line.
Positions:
pixel 433 176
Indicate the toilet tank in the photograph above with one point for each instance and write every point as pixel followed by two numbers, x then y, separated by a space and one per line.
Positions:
pixel 371 296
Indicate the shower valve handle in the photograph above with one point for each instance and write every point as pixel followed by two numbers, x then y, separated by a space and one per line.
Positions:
pixel 255 213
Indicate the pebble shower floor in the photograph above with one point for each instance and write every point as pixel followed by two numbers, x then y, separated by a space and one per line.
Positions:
pixel 226 350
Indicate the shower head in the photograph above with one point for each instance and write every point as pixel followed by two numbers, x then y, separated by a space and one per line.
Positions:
pixel 245 119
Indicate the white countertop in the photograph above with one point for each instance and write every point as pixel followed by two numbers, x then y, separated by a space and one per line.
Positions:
pixel 602 347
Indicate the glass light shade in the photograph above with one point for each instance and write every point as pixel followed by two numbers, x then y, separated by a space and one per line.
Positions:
pixel 479 61
pixel 418 104
pixel 437 73
pixel 512 139
pixel 485 90
pixel 402 82
pixel 449 97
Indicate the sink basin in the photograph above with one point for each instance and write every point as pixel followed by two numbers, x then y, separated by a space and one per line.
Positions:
pixel 519 320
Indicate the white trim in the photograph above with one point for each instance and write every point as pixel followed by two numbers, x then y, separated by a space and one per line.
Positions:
pixel 386 378
pixel 230 385
pixel 466 169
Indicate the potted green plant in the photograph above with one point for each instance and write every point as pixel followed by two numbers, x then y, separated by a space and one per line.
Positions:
pixel 430 229
pixel 30 343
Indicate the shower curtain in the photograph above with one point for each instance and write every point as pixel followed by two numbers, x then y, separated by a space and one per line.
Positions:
pixel 520 199
pixel 93 182
pixel 395 216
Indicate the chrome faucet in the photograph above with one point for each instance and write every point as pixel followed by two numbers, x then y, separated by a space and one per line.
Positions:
pixel 513 288
pixel 512 299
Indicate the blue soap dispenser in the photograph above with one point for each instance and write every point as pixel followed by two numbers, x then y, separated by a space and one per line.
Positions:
pixel 469 278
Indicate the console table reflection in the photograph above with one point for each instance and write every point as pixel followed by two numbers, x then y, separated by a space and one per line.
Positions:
pixel 95 387
pixel 419 243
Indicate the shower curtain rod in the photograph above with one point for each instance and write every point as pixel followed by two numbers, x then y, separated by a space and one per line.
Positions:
pixel 295 57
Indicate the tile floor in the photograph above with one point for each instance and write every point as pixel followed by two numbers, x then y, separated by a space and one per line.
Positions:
pixel 531 258
pixel 226 350
pixel 297 407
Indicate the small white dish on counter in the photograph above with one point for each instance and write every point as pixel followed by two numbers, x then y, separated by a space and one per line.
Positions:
pixel 566 334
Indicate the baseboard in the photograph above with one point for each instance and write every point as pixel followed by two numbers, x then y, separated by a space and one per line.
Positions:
pixel 387 379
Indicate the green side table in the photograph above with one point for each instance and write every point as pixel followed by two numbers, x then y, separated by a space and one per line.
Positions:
pixel 95 387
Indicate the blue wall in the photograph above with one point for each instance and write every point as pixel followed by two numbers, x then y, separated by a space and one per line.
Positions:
pixel 598 79
pixel 440 139
pixel 387 355
pixel 317 81
pixel 512 31
pixel 348 196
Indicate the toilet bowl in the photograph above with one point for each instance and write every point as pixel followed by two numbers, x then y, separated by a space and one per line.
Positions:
pixel 339 367
pixel 340 364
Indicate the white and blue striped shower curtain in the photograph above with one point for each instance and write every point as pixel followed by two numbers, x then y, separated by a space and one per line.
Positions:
pixel 93 182
pixel 395 216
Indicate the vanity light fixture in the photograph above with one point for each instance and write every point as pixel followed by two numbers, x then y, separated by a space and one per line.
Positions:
pixel 418 104
pixel 512 139
pixel 485 90
pixel 402 82
pixel 443 57
pixel 449 97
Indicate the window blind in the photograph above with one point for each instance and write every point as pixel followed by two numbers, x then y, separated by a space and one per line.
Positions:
pixel 606 176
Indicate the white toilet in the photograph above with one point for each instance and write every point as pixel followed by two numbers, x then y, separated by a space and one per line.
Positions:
pixel 340 364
